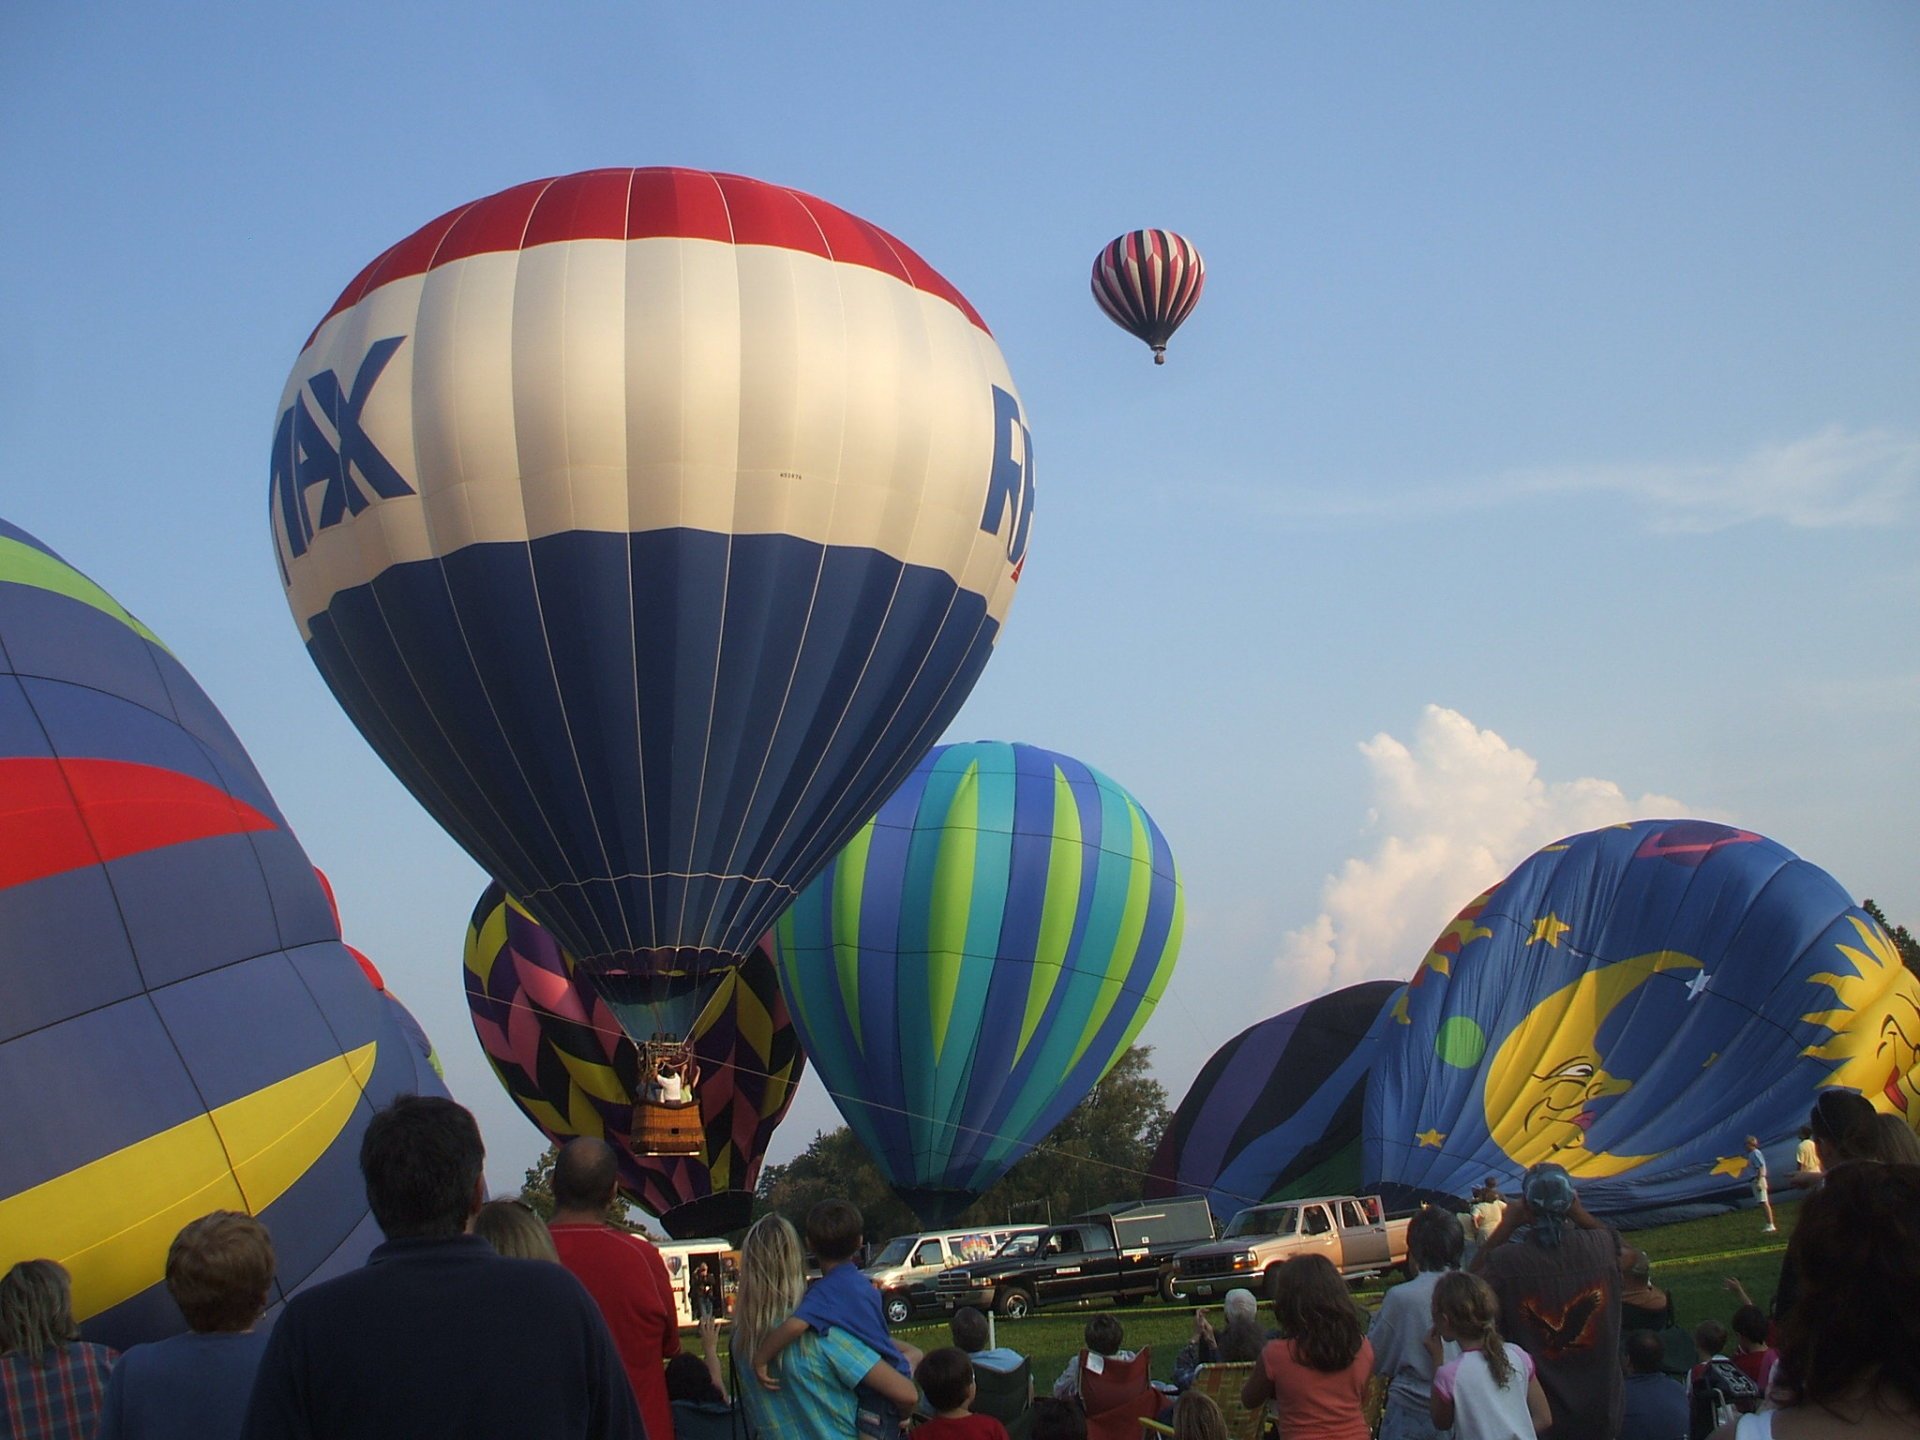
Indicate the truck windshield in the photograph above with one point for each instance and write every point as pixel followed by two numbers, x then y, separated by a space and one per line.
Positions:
pixel 895 1253
pixel 1261 1220
pixel 1018 1245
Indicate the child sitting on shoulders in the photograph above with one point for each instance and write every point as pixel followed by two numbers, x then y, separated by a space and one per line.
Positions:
pixel 1490 1392
pixel 841 1299
pixel 947 1378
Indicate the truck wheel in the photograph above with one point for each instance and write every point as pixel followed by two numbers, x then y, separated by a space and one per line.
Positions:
pixel 1167 1292
pixel 1015 1305
pixel 899 1310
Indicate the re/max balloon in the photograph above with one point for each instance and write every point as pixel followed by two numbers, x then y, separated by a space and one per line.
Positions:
pixel 1633 1003
pixel 979 955
pixel 183 1030
pixel 1275 1114
pixel 1148 282
pixel 561 1054
pixel 650 524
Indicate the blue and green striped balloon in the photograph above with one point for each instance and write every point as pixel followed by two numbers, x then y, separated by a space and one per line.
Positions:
pixel 974 960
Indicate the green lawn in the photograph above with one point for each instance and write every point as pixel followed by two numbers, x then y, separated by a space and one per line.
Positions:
pixel 1691 1260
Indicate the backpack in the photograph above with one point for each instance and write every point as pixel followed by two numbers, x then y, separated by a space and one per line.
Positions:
pixel 1719 1392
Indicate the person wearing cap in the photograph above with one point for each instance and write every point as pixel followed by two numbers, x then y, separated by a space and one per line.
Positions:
pixel 1556 1271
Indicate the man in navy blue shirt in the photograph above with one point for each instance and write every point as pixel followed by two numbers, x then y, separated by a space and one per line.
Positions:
pixel 438 1335
pixel 1655 1407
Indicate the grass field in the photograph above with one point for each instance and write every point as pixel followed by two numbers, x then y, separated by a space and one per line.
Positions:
pixel 1691 1261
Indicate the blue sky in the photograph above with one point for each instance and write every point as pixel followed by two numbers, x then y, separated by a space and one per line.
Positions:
pixel 1544 451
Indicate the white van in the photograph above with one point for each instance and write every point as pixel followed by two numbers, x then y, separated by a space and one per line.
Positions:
pixel 700 1270
pixel 910 1263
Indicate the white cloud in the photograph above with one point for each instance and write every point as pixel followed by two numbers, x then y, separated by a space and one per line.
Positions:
pixel 1452 813
pixel 1835 477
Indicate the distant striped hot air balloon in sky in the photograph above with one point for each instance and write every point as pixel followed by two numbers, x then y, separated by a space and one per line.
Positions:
pixel 976 958
pixel 1148 282
pixel 650 525
pixel 182 1030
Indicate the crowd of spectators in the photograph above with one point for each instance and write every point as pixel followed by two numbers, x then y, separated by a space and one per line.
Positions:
pixel 475 1318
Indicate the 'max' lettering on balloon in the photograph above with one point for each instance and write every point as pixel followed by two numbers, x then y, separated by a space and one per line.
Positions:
pixel 304 457
pixel 1011 480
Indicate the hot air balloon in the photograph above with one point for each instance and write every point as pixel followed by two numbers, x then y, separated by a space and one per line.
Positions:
pixel 1148 282
pixel 976 958
pixel 650 524
pixel 561 1054
pixel 1632 1003
pixel 1275 1113
pixel 183 1030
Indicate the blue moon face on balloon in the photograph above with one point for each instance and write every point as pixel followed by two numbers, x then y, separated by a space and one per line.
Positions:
pixel 1632 1003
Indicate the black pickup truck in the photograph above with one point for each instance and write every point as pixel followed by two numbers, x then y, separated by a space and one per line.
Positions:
pixel 1119 1252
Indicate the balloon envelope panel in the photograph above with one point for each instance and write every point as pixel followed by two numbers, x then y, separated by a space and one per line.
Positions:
pixel 650 524
pixel 1632 1003
pixel 1275 1113
pixel 563 1057
pixel 978 956
pixel 1147 282
pixel 183 1030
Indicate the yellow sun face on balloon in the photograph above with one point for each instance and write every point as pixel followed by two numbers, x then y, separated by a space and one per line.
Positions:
pixel 1875 1045
pixel 1548 1071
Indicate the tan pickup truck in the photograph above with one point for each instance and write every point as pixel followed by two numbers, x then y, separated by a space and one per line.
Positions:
pixel 1350 1230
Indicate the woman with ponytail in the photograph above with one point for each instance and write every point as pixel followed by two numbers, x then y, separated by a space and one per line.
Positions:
pixel 1491 1391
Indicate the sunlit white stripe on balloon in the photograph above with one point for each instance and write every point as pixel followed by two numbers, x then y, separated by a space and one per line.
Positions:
pixel 622 386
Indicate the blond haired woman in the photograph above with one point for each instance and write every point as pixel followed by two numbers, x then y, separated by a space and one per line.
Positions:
pixel 51 1381
pixel 813 1392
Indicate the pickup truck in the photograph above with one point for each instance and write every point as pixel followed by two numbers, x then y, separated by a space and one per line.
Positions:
pixel 1117 1253
pixel 1350 1230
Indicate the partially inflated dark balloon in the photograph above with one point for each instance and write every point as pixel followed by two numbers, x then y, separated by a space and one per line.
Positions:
pixel 1275 1114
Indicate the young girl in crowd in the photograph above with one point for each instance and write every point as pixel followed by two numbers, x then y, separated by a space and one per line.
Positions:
pixel 1317 1375
pixel 1490 1392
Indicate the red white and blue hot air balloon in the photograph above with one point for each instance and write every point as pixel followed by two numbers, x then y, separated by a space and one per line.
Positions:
pixel 1148 282
pixel 650 525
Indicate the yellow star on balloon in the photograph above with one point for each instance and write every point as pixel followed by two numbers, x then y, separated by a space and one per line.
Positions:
pixel 1430 1139
pixel 1549 928
pixel 1730 1165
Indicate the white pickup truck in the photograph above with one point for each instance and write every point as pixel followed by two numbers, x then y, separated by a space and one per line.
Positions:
pixel 1350 1230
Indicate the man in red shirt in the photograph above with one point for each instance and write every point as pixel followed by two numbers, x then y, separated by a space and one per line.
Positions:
pixel 623 1272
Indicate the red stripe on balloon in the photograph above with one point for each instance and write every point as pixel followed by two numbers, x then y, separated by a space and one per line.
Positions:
pixel 64 815
pixel 647 204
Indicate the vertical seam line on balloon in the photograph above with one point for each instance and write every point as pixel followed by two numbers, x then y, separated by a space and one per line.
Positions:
pixel 806 627
pixel 533 567
pixel 633 629
pixel 719 646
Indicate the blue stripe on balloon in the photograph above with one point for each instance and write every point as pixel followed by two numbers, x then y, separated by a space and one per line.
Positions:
pixel 1096 923
pixel 995 1084
pixel 993 845
pixel 564 823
